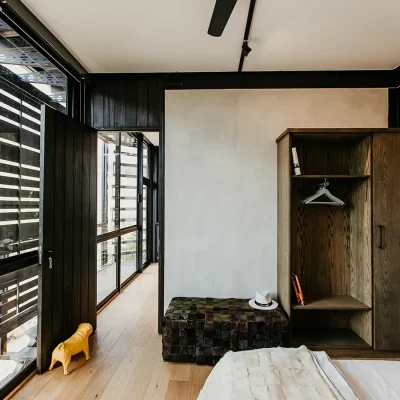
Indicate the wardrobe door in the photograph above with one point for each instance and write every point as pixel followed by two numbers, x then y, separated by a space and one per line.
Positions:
pixel 386 240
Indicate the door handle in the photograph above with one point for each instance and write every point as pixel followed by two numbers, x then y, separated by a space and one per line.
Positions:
pixel 50 259
pixel 380 236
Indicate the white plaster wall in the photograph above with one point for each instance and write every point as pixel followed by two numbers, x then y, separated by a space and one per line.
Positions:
pixel 220 193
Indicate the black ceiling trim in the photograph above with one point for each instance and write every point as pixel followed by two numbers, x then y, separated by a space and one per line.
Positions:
pixel 246 33
pixel 263 80
pixel 15 13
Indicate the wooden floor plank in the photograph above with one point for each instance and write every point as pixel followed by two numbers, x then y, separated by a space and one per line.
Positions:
pixel 117 385
pixel 178 390
pixel 101 378
pixel 134 328
pixel 126 357
pixel 194 391
pixel 199 374
pixel 126 360
pixel 83 376
pixel 140 379
pixel 153 349
pixel 33 387
pixel 181 372
pixel 158 384
pixel 60 381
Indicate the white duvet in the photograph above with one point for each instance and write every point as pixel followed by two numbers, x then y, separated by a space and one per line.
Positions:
pixel 276 374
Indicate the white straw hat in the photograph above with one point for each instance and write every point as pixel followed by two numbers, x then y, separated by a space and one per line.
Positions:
pixel 263 301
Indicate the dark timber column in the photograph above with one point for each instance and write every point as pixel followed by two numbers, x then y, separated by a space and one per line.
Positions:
pixel 139 213
pixel 386 240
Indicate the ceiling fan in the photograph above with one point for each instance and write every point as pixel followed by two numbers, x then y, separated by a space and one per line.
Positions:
pixel 222 11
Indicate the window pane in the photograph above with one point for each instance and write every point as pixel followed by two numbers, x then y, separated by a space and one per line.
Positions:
pixel 145 161
pixel 128 255
pixel 18 321
pixel 144 246
pixel 106 268
pixel 106 189
pixel 19 172
pixel 128 180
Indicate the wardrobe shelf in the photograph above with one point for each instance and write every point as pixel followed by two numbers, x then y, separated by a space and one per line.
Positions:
pixel 336 303
pixel 317 339
pixel 331 176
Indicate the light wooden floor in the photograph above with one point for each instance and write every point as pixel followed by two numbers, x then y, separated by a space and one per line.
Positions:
pixel 126 360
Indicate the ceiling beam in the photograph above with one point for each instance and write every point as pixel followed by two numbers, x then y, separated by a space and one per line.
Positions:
pixel 282 80
pixel 246 33
pixel 258 79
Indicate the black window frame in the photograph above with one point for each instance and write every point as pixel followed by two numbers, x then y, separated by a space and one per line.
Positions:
pixel 74 91
pixel 151 204
pixel 23 21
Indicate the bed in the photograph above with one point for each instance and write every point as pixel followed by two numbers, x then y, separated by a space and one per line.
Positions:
pixel 298 373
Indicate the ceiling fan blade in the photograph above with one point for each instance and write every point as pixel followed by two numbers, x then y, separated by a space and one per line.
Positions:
pixel 222 11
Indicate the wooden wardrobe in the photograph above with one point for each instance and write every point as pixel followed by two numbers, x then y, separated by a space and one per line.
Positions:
pixel 347 258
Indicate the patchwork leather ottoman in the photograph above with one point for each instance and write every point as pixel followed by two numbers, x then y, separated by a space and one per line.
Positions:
pixel 202 330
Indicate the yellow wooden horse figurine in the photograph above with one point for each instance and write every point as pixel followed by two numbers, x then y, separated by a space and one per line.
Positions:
pixel 78 342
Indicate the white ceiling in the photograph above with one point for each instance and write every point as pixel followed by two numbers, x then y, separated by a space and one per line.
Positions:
pixel 153 137
pixel 171 35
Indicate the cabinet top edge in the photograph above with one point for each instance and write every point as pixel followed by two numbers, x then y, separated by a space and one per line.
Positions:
pixel 349 131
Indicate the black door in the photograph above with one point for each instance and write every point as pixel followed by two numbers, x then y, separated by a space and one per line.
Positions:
pixel 67 255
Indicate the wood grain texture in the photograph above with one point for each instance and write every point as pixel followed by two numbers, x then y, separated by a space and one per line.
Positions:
pixel 330 177
pixel 320 243
pixel 121 365
pixel 328 157
pixel 361 256
pixel 361 157
pixel 68 219
pixel 333 303
pixel 361 324
pixel 329 339
pixel 317 319
pixel 284 247
pixel 127 310
pixel 331 246
pixel 335 133
pixel 386 194
pixel 129 103
pixel 360 242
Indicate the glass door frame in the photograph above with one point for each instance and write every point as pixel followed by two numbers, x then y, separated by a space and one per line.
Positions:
pixel 151 212
pixel 119 232
pixel 151 203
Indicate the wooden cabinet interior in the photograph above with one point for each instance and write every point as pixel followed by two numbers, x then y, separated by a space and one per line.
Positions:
pixel 330 247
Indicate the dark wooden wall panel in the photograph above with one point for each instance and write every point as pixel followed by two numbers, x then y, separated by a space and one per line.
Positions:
pixel 91 155
pixel 128 103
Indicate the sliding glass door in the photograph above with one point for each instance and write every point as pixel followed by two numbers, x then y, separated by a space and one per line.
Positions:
pixel 124 192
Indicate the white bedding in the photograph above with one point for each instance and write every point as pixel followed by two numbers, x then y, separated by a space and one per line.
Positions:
pixel 372 379
pixel 296 374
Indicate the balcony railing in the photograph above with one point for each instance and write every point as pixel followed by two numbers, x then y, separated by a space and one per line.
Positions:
pixel 18 321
